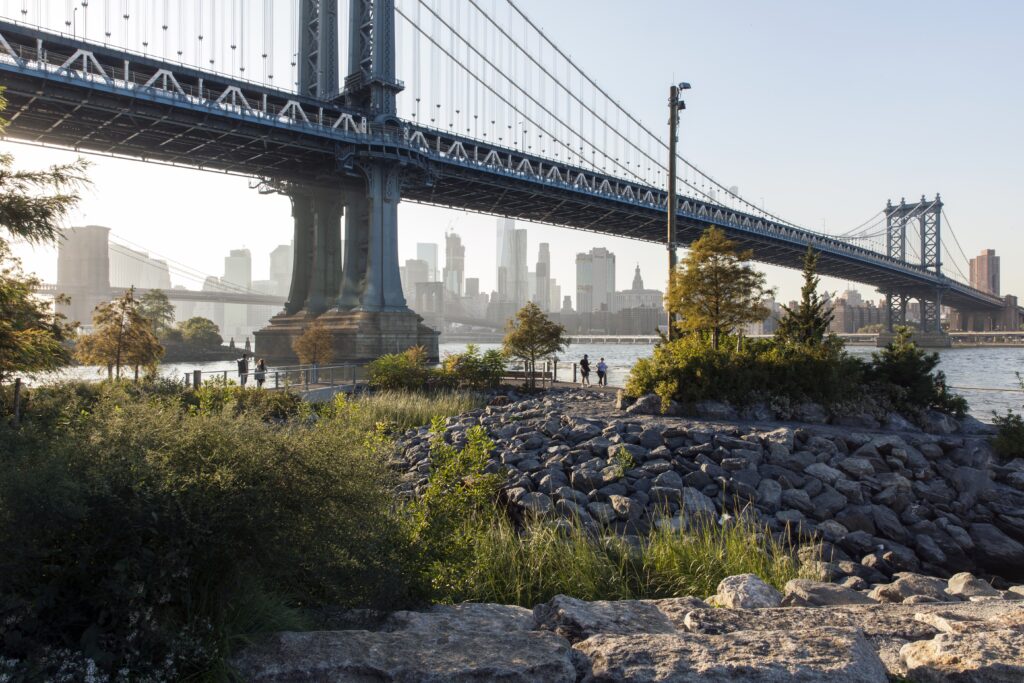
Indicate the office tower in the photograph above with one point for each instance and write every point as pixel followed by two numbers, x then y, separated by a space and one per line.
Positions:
pixel 454 264
pixel 985 272
pixel 427 251
pixel 472 287
pixel 595 280
pixel 414 272
pixel 237 278
pixel 543 274
pixel 281 259
pixel 512 271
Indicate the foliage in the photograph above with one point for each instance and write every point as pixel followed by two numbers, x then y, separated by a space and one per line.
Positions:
pixel 34 204
pixel 908 374
pixel 122 336
pixel 200 332
pixel 531 336
pixel 714 290
pixel 808 323
pixel 155 307
pixel 532 565
pixel 622 460
pixel 689 369
pixel 149 534
pixel 1008 443
pixel 315 345
pixel 473 370
pixel 32 336
pixel 394 371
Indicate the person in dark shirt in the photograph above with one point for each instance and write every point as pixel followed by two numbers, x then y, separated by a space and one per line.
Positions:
pixel 585 370
pixel 243 369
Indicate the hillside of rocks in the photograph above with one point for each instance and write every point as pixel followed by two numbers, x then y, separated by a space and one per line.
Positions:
pixel 870 503
pixel 813 632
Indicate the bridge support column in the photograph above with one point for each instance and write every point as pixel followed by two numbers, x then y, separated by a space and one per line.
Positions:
pixel 302 252
pixel 325 279
pixel 383 284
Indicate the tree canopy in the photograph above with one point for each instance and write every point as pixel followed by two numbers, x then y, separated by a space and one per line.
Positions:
pixel 531 335
pixel 155 307
pixel 808 323
pixel 200 332
pixel 315 345
pixel 121 337
pixel 714 289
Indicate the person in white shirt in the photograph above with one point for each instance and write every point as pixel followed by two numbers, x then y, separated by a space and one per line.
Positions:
pixel 602 373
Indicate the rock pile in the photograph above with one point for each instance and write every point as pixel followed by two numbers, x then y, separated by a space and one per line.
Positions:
pixel 874 504
pixel 751 637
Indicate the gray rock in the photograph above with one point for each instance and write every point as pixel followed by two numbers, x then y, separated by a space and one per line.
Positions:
pixel 827 503
pixel 696 504
pixel 806 593
pixel 648 404
pixel 980 656
pixel 745 591
pixel 888 524
pixel 625 508
pixel 824 473
pixel 602 512
pixel 935 422
pixel 797 499
pixel 650 438
pixel 965 585
pixel 810 412
pixel 769 495
pixel 407 656
pixel 857 467
pixel 804 656
pixel 910 585
pixel 668 480
pixel 478 617
pixel 997 552
pixel 622 401
pixel 577 620
pixel 537 504
pixel 715 410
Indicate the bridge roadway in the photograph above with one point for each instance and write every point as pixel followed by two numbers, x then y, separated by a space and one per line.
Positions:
pixel 251 299
pixel 105 100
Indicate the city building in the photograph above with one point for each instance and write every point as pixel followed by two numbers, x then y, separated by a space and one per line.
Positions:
pixel 637 296
pixel 281 261
pixel 595 280
pixel 850 313
pixel 542 274
pixel 237 278
pixel 454 264
pixel 985 272
pixel 427 251
pixel 413 273
pixel 512 269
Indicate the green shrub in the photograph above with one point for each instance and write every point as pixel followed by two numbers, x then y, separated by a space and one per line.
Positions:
pixel 147 536
pixel 400 371
pixel 473 370
pixel 1008 443
pixel 907 373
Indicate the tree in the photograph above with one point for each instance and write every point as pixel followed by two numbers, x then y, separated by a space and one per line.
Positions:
pixel 714 290
pixel 200 332
pixel 121 337
pixel 33 205
pixel 532 335
pixel 808 323
pixel 315 345
pixel 158 310
pixel 32 337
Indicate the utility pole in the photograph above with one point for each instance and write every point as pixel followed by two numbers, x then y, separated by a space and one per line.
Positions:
pixel 675 105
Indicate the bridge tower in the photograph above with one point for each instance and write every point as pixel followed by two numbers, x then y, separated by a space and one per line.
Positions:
pixel 924 220
pixel 356 295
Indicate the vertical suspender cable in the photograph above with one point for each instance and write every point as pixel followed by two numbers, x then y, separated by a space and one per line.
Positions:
pixel 241 37
pixel 165 23
pixel 418 77
pixel 294 51
pixel 234 34
pixel 199 33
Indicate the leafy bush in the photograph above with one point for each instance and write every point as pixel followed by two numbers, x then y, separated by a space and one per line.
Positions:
pixel 907 372
pixel 149 536
pixel 1008 443
pixel 397 371
pixel 473 370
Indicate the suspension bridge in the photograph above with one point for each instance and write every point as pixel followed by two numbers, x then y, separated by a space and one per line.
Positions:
pixel 492 117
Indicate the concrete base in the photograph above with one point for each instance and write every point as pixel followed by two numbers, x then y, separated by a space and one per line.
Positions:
pixel 359 336
pixel 928 340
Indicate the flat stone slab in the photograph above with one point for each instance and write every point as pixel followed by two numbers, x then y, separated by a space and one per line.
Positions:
pixel 578 619
pixel 472 617
pixel 980 657
pixel 407 656
pixel 803 655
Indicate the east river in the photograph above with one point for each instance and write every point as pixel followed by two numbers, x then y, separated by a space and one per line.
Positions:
pixel 978 373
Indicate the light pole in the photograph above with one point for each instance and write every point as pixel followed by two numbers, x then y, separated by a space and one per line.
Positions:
pixel 675 105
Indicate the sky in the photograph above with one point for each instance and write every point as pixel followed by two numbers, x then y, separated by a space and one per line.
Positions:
pixel 821 111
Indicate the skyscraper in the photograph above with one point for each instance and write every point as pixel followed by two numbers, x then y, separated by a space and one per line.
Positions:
pixel 512 270
pixel 414 272
pixel 595 280
pixel 985 272
pixel 454 264
pixel 238 277
pixel 543 297
pixel 281 269
pixel 428 252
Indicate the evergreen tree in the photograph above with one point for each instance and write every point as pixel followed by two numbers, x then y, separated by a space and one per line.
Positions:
pixel 531 336
pixel 122 337
pixel 807 324
pixel 714 289
pixel 158 310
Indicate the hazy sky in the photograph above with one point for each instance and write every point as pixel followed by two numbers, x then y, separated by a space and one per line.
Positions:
pixel 823 110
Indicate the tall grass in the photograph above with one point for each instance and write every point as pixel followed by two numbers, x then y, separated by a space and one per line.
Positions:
pixel 403 410
pixel 531 565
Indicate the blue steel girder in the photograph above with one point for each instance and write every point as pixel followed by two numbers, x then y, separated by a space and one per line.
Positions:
pixel 109 101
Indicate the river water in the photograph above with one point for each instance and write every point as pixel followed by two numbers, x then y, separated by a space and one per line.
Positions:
pixel 983 375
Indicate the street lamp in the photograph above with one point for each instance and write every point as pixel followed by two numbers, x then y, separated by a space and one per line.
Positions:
pixel 675 105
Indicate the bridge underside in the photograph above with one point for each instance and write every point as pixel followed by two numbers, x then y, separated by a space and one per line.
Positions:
pixel 54 108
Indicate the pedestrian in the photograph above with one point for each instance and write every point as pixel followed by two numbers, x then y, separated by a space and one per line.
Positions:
pixel 602 373
pixel 585 370
pixel 243 369
pixel 261 373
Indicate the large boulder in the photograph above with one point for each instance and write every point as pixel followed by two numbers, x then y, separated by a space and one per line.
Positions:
pixel 996 552
pixel 807 593
pixel 799 655
pixel 533 656
pixel 745 591
pixel 578 619
pixel 983 656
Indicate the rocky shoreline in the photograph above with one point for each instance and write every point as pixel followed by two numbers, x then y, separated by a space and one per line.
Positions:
pixel 868 503
pixel 833 635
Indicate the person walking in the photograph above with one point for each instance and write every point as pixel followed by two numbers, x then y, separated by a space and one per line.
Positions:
pixel 585 371
pixel 261 373
pixel 602 373
pixel 243 369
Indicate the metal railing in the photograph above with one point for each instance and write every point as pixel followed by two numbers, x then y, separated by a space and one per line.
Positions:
pixel 303 377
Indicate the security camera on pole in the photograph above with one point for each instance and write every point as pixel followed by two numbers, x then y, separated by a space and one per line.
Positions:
pixel 675 105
